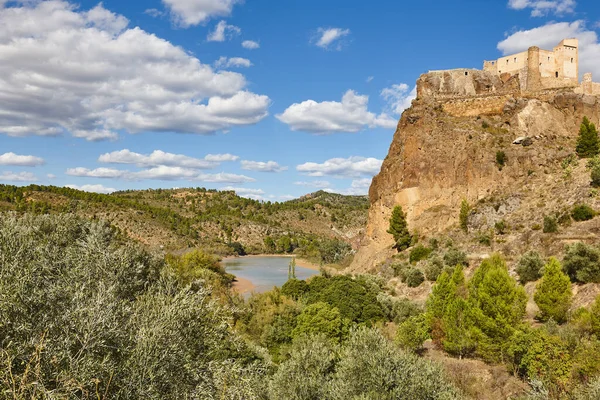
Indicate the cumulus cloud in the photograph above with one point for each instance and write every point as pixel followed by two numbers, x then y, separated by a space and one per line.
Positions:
pixel 261 166
pixel 349 115
pixel 233 62
pixel 342 167
pixel 315 184
pixel 188 13
pixel 223 32
pixel 328 38
pixel 540 8
pixel 155 13
pixel 9 176
pixel 250 44
pixel 549 35
pixel 93 188
pixel 370 79
pixel 87 73
pixel 358 187
pixel 159 157
pixel 20 161
pixel 162 172
pixel 399 96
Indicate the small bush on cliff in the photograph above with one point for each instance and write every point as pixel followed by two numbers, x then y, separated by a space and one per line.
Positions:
pixel 553 294
pixel 414 277
pixel 419 253
pixel 434 268
pixel 583 212
pixel 588 144
pixel 501 159
pixel 595 176
pixel 550 224
pixel 399 229
pixel 582 263
pixel 454 257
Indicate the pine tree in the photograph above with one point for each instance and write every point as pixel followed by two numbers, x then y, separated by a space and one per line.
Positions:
pixel 399 229
pixel 553 294
pixel 465 209
pixel 588 144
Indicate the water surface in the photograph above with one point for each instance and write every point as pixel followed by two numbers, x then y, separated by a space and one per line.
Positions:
pixel 265 272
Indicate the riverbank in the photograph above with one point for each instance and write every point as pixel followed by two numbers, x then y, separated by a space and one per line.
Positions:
pixel 243 285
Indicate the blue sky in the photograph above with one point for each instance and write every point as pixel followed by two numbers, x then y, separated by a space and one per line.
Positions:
pixel 273 98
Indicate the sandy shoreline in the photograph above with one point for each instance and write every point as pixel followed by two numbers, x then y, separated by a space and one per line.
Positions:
pixel 242 285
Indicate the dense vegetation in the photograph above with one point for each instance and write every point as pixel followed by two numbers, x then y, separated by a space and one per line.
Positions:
pixel 86 314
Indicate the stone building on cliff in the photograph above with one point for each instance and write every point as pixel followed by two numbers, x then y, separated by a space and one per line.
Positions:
pixel 540 69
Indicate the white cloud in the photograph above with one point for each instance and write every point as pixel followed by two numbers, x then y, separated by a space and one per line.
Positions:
pixel 96 173
pixel 540 8
pixel 162 172
pixel 370 79
pixel 159 157
pixel 9 176
pixel 250 44
pixel 358 187
pixel 342 167
pixel 261 166
pixel 286 197
pixel 315 184
pixel 19 160
pixel 223 32
pixel 188 13
pixel 328 36
pixel 155 13
pixel 93 188
pixel 233 62
pixel 349 115
pixel 51 176
pixel 549 35
pixel 84 72
pixel 399 96
pixel 221 157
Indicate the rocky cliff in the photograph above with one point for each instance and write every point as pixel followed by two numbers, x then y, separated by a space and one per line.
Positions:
pixel 445 147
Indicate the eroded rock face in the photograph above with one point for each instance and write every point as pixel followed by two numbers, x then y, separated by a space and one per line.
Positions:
pixel 444 150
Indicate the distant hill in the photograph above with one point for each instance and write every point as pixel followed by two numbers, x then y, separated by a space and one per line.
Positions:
pixel 178 219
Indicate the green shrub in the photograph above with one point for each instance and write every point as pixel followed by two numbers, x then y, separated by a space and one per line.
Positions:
pixel 321 319
pixel 412 333
pixel 434 268
pixel 419 253
pixel 582 263
pixel 414 277
pixel 398 309
pixel 484 238
pixel 501 227
pixel 550 224
pixel 595 176
pixel 454 257
pixel 553 294
pixel 529 267
pixel 583 212
pixel 294 288
pixel 587 141
pixel 501 159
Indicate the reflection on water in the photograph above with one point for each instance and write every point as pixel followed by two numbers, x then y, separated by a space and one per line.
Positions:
pixel 265 272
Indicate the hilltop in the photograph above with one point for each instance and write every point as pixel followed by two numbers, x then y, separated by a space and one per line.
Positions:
pixel 220 222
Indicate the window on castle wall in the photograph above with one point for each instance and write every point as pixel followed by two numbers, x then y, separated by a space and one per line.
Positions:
pixel 466 73
pixel 556 74
pixel 515 59
pixel 571 61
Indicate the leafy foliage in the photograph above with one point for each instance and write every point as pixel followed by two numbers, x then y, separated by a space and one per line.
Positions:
pixel 529 267
pixel 582 263
pixel 414 277
pixel 550 224
pixel 583 212
pixel 320 318
pixel 463 217
pixel 501 159
pixel 412 333
pixel 418 253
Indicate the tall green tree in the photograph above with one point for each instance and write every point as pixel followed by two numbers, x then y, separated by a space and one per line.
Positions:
pixel 553 294
pixel 588 144
pixel 399 229
pixel 498 306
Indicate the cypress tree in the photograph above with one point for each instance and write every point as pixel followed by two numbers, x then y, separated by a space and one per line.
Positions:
pixel 399 229
pixel 588 144
pixel 553 294
pixel 465 209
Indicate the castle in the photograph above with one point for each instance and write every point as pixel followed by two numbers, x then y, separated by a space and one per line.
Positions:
pixel 539 69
